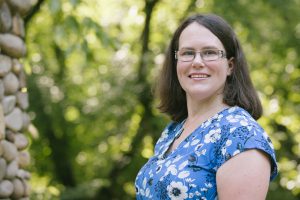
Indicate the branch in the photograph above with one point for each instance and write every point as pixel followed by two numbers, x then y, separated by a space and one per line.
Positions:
pixel 33 11
pixel 145 39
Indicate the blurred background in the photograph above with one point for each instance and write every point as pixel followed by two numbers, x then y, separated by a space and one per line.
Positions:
pixel 91 66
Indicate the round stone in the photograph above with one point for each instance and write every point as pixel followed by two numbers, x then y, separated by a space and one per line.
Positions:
pixel 12 45
pixel 22 100
pixel 14 120
pixel 18 188
pixel 21 141
pixel 23 6
pixel 9 103
pixel 6 188
pixel 11 83
pixel 10 151
pixel 12 169
pixel 5 65
pixel 5 17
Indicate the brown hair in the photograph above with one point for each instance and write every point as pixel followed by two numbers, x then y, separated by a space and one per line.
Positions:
pixel 238 90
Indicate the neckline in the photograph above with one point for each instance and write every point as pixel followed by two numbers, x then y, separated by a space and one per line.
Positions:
pixel 179 129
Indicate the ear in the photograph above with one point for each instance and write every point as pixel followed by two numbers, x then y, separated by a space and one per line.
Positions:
pixel 230 66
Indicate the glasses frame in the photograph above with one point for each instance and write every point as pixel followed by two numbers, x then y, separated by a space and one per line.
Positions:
pixel 221 54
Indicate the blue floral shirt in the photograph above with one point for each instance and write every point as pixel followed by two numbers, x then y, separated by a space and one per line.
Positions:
pixel 189 171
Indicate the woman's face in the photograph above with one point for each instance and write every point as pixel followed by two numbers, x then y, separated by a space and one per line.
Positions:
pixel 201 80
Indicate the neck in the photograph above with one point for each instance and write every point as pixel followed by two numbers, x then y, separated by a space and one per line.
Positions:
pixel 199 111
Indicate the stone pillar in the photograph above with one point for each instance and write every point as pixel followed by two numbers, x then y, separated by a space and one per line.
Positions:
pixel 14 156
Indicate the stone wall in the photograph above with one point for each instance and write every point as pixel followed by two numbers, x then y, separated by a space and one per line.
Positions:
pixel 14 156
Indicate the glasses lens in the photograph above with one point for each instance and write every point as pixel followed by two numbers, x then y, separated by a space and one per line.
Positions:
pixel 210 54
pixel 186 55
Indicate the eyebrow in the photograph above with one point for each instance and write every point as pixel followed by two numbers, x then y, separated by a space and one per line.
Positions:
pixel 205 47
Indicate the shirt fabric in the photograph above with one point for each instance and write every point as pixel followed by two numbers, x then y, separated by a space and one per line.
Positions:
pixel 189 171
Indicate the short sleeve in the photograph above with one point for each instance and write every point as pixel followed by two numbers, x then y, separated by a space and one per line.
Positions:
pixel 236 140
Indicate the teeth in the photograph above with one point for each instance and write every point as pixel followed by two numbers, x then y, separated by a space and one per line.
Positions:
pixel 199 76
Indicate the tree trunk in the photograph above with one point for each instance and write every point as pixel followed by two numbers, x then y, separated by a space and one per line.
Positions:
pixel 145 98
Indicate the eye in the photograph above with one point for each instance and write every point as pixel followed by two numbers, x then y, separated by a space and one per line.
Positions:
pixel 210 52
pixel 187 53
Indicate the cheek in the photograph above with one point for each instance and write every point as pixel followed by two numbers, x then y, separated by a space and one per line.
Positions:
pixel 222 70
pixel 178 70
pixel 181 71
pixel 181 68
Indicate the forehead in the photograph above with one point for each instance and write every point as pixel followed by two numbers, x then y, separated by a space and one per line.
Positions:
pixel 197 36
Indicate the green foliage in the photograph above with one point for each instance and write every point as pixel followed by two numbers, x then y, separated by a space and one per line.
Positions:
pixel 86 93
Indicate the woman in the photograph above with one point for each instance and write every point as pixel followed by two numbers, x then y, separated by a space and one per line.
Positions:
pixel 214 148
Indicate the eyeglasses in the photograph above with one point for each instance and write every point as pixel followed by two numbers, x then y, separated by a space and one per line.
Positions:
pixel 188 55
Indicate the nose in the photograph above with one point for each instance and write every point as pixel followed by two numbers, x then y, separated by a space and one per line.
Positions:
pixel 198 61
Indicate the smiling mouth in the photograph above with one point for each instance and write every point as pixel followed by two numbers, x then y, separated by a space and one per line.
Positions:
pixel 199 76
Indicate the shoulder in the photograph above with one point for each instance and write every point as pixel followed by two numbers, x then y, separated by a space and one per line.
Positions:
pixel 238 117
pixel 240 132
pixel 238 123
pixel 241 127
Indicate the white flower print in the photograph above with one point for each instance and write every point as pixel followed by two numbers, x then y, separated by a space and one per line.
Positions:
pixel 223 150
pixel 194 142
pixel 182 165
pixel 183 174
pixel 250 129
pixel 232 119
pixel 163 136
pixel 209 185
pixel 213 136
pixel 230 110
pixel 232 129
pixel 161 161
pixel 151 174
pixel 197 193
pixel 236 152
pixel 177 158
pixel 168 163
pixel 177 191
pixel 171 169
pixel 147 192
pixel 244 123
pixel 202 152
pixel 144 183
pixel 186 145
pixel 189 180
pixel 264 134
pixel 228 143
pixel 220 116
pixel 206 124
pixel 142 192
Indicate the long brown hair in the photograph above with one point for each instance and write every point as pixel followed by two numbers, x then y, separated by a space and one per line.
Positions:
pixel 238 90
